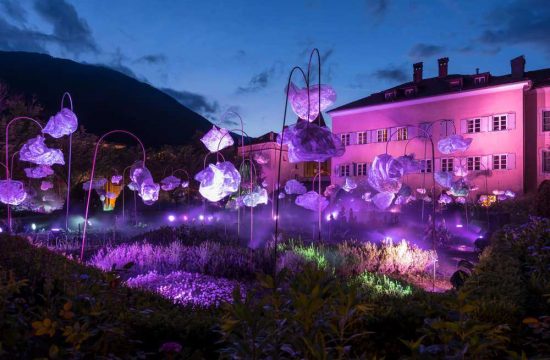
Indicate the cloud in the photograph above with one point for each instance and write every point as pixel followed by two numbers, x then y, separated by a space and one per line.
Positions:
pixel 377 8
pixel 391 74
pixel 70 31
pixel 518 22
pixel 196 102
pixel 421 50
pixel 228 119
pixel 151 59
pixel 14 10
pixel 260 81
pixel 13 38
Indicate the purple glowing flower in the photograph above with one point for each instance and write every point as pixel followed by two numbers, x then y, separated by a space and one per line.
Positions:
pixel 310 142
pixel 115 179
pixel 294 187
pixel 367 197
pixel 312 201
pixel 217 139
pixel 36 151
pixel 98 184
pixel 410 165
pixel 445 199
pixel 461 171
pixel 185 184
pixel 12 192
pixel 453 143
pixel 331 190
pixel 461 200
pixel 218 181
pixel 261 158
pixel 38 172
pixel 46 185
pixel 133 186
pixel 282 195
pixel 460 188
pixel 385 174
pixel 383 200
pixel 61 124
pixel 299 100
pixel 111 195
pixel 444 178
pixel 147 189
pixel 421 191
pixel 256 197
pixel 169 183
pixel 349 184
pixel 510 194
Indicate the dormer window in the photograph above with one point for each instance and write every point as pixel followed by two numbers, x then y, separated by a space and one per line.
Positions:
pixel 455 84
pixel 409 91
pixel 390 95
pixel 480 80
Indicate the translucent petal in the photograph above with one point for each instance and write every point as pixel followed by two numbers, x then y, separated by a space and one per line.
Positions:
pixel 298 98
pixel 385 174
pixel 98 184
pixel 453 143
pixel 410 165
pixel 310 142
pixel 444 178
pixel 38 172
pixel 12 192
pixel 256 197
pixel 147 189
pixel 293 186
pixel 63 123
pixel 169 183
pixel 36 151
pixel 46 185
pixel 383 200
pixel 218 181
pixel 445 199
pixel 312 201
pixel 217 139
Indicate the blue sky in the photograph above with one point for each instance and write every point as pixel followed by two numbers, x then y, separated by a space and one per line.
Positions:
pixel 218 55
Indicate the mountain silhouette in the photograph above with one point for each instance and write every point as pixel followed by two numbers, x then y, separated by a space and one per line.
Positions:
pixel 104 99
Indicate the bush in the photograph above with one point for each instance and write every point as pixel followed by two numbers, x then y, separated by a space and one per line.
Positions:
pixel 542 200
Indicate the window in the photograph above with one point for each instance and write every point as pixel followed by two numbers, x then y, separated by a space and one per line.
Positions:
pixel 500 162
pixel 426 166
pixel 344 170
pixel 474 163
pixel 402 133
pixel 382 135
pixel 480 80
pixel 361 137
pixel 447 164
pixel 362 169
pixel 345 139
pixel 410 92
pixel 546 161
pixel 474 126
pixel 499 122
pixel 546 120
pixel 390 95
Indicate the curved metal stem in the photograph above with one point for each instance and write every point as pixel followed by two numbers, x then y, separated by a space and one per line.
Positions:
pixel 68 96
pixel 92 180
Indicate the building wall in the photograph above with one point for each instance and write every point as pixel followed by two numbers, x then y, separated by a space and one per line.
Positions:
pixel 537 101
pixel 459 107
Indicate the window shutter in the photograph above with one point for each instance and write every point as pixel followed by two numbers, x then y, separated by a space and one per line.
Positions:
pixel 510 161
pixel 392 134
pixel 337 169
pixel 368 137
pixel 490 164
pixel 511 122
pixel 486 124
pixel 437 166
pixel 464 126
pixel 354 170
pixel 412 132
pixel 353 138
pixel 485 162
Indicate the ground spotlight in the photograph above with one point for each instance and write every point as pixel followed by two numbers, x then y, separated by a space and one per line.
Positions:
pixel 171 218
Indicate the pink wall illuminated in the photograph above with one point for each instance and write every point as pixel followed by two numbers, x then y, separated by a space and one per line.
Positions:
pixel 537 128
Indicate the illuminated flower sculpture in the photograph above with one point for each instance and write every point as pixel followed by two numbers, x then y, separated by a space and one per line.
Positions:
pixel 261 158
pixel 310 142
pixel 61 124
pixel 349 184
pixel 256 197
pixel 444 178
pixel 299 100
pixel 12 192
pixel 218 181
pixel 445 199
pixel 460 188
pixel 453 143
pixel 36 151
pixel 410 165
pixel 169 183
pixel 385 174
pixel 147 189
pixel 312 201
pixel 383 200
pixel 115 179
pixel 98 184
pixel 38 172
pixel 293 186
pixel 46 185
pixel 217 139
pixel 185 184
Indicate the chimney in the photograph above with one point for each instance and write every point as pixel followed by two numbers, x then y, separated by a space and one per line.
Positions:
pixel 417 72
pixel 518 66
pixel 443 67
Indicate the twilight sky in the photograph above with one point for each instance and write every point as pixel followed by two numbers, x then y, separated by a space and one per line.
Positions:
pixel 218 55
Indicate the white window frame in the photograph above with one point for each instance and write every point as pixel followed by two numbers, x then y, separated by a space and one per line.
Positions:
pixel 362 169
pixel 361 137
pixel 545 168
pixel 426 166
pixel 409 92
pixel 501 122
pixel 480 80
pixel 473 126
pixel 402 133
pixel 382 135
pixel 346 139
pixel 546 120
pixel 500 161
pixel 447 164
pixel 345 170
pixel 473 163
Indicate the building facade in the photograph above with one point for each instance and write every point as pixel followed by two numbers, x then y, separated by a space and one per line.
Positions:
pixel 507 117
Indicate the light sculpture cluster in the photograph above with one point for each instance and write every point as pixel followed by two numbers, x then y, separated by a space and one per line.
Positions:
pixel 36 152
pixel 218 181
pixel 38 172
pixel 169 183
pixel 311 200
pixel 453 143
pixel 310 142
pixel 294 187
pixel 299 102
pixel 145 186
pixel 217 139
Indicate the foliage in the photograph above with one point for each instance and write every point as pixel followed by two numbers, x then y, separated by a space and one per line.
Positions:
pixel 381 285
pixel 542 200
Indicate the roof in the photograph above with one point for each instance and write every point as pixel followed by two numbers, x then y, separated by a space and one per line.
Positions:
pixel 439 86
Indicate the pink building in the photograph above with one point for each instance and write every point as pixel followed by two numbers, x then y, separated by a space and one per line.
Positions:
pixel 508 118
